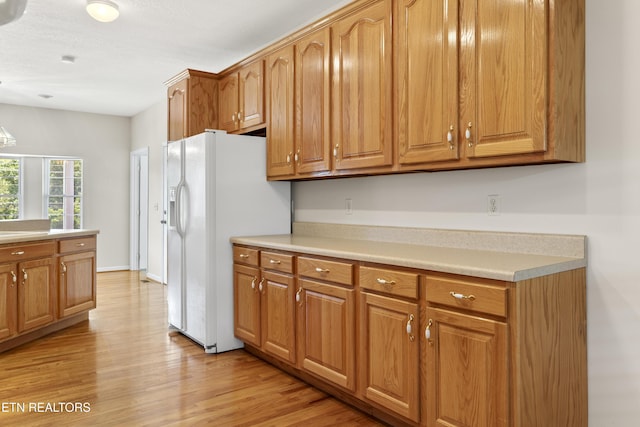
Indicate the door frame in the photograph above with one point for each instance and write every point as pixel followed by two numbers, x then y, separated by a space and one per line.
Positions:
pixel 139 209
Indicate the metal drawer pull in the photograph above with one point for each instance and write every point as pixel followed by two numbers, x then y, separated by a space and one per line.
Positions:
pixel 244 256
pixel 80 244
pixel 17 253
pixel 274 261
pixel 461 296
pixel 322 270
pixel 385 282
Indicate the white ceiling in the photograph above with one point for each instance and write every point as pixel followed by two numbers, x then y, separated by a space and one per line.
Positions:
pixel 121 66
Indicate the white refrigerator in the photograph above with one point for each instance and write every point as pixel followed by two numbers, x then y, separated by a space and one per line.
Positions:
pixel 217 188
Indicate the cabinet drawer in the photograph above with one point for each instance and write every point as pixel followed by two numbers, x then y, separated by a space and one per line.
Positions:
pixel 77 244
pixel 245 255
pixel 334 271
pixel 27 251
pixel 393 282
pixel 276 261
pixel 467 294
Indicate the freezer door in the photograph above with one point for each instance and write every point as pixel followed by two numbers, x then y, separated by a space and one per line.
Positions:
pixel 175 244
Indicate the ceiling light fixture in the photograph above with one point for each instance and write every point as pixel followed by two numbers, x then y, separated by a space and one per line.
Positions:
pixel 6 139
pixel 103 10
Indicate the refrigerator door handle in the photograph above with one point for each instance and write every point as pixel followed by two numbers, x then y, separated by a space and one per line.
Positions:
pixel 179 225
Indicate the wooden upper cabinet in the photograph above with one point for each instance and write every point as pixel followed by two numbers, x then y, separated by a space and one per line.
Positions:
pixel 280 119
pixel 488 83
pixel 251 84
pixel 313 87
pixel 227 118
pixel 503 78
pixel 242 98
pixel 426 83
pixel 362 88
pixel 192 104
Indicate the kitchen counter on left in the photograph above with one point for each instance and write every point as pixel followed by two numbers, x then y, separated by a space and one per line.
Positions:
pixel 19 236
pixel 47 277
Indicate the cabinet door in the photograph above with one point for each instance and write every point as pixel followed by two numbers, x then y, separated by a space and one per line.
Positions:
pixel 426 101
pixel 251 84
pixel 313 86
pixel 467 362
pixel 8 300
pixel 390 353
pixel 77 287
pixel 503 77
pixel 228 103
pixel 246 283
pixel 278 315
pixel 177 106
pixel 362 88
pixel 326 332
pixel 36 293
pixel 280 126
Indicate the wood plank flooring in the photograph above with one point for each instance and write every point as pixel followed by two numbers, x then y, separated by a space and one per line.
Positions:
pixel 122 368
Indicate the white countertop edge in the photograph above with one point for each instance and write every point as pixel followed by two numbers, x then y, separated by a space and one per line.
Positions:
pixel 533 265
pixel 32 236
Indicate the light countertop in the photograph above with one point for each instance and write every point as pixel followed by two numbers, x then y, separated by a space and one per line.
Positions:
pixel 494 255
pixel 20 231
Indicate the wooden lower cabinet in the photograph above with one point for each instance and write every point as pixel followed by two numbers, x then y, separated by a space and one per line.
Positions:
pixel 77 290
pixel 467 365
pixel 389 354
pixel 36 293
pixel 278 315
pixel 326 332
pixel 416 347
pixel 247 320
pixel 8 300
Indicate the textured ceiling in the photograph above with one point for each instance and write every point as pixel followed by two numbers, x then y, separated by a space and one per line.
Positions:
pixel 121 66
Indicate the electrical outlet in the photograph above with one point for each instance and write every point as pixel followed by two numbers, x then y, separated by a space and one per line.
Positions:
pixel 348 206
pixel 493 204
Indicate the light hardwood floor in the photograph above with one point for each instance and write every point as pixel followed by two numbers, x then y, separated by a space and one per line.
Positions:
pixel 122 368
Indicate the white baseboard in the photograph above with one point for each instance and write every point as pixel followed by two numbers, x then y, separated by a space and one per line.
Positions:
pixel 114 268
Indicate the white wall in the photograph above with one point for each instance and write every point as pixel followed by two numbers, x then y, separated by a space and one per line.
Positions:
pixel 102 142
pixel 600 198
pixel 149 129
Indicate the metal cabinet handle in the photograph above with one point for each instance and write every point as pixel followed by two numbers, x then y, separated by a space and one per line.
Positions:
pixel 64 267
pixel 298 297
pixel 253 283
pixel 289 158
pixel 467 135
pixel 274 261
pixel 322 270
pixel 410 328
pixel 427 331
pixel 385 282
pixel 24 276
pixel 14 278
pixel 80 245
pixel 240 116
pixel 297 156
pixel 450 137
pixel 244 256
pixel 17 253
pixel 462 296
pixel 335 150
pixel 233 117
pixel 260 284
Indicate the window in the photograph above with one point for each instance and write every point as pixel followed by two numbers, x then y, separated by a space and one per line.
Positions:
pixel 10 188
pixel 64 193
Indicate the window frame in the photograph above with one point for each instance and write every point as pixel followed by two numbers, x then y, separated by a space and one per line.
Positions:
pixel 20 185
pixel 46 190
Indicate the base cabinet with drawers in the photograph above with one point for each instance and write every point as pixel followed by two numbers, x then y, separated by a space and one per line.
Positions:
pixel 34 300
pixel 417 347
